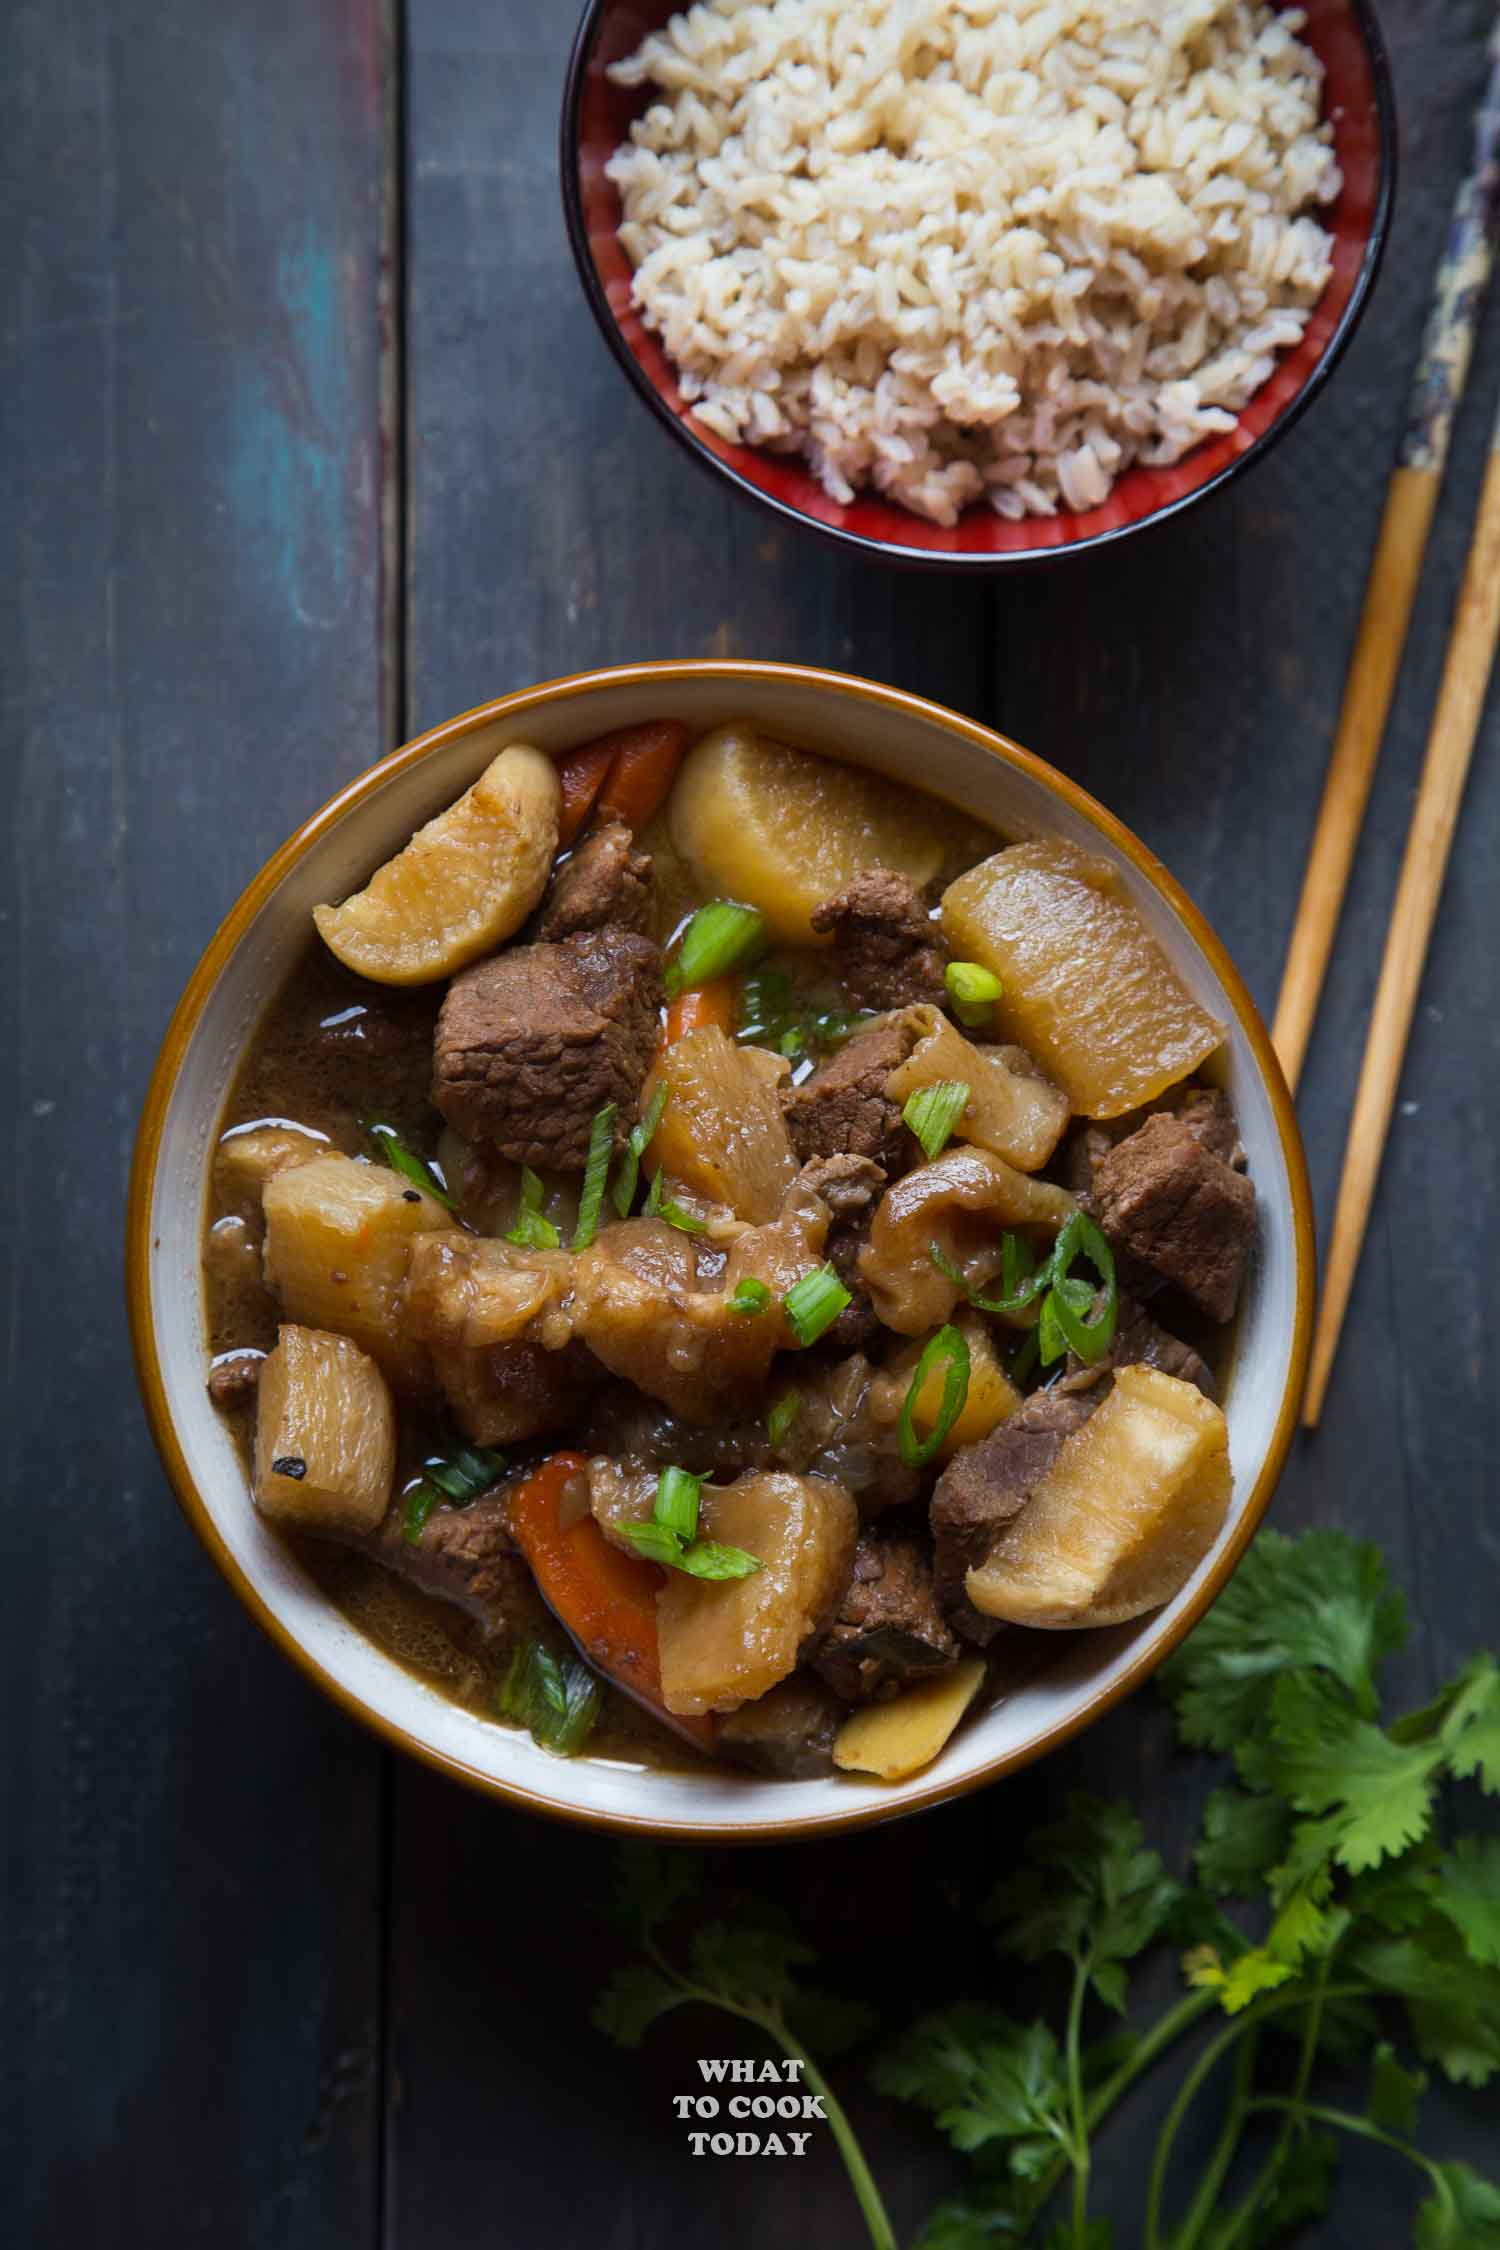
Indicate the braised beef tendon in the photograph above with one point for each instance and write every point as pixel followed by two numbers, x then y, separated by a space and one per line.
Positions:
pixel 703 1312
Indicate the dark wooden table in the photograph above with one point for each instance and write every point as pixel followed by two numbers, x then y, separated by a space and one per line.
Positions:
pixel 308 443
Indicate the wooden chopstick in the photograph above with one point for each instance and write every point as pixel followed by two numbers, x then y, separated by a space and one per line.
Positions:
pixel 1455 729
pixel 1442 373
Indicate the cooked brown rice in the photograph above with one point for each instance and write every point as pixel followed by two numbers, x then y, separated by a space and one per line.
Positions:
pixel 964 249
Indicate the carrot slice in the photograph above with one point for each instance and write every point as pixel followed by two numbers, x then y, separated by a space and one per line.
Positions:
pixel 645 765
pixel 605 1599
pixel 582 773
pixel 705 1005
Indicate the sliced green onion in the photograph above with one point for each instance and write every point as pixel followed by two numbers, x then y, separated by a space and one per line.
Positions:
pixel 950 1272
pixel 721 936
pixel 1071 1297
pixel 651 1208
pixel 422 1498
pixel 1023 1359
pixel 686 1222
pixel 642 1134
pixel 595 1175
pixel 933 1111
pixel 707 1559
pixel 557 1698
pixel 457 1478
pixel 750 1297
pixel 973 991
pixel 657 1542
pixel 814 1303
pixel 792 1042
pixel 389 1144
pixel 533 1230
pixel 947 1350
pixel 677 1502
pixel 765 1006
pixel 782 1415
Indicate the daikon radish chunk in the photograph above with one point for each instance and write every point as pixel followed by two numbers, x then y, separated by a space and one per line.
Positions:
pixel 1086 988
pixel 783 830
pixel 338 1238
pixel 726 1641
pixel 1017 1114
pixel 1129 1508
pixel 722 1133
pixel 325 1435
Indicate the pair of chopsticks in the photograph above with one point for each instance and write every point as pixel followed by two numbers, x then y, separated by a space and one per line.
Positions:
pixel 1442 375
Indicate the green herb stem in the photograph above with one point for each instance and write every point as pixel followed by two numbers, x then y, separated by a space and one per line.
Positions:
pixel 861 2178
pixel 1078 2108
pixel 1205 2203
pixel 1344 2121
pixel 1192 2085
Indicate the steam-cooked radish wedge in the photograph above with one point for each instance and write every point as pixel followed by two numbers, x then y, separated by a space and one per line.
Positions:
pixel 782 830
pixel 892 1740
pixel 465 882
pixel 325 1435
pixel 338 1241
pixel 1086 989
pixel 1129 1508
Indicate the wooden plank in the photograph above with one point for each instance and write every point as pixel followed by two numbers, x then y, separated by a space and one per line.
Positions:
pixel 1191 680
pixel 192 655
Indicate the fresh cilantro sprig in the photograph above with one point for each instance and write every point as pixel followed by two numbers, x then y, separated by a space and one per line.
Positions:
pixel 749 1968
pixel 1357 1917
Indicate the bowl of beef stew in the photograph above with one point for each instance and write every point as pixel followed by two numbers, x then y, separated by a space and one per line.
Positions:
pixel 717 1250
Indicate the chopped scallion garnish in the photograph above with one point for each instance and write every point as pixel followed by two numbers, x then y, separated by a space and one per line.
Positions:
pixel 389 1144
pixel 750 1297
pixel 948 1350
pixel 676 1215
pixel 1064 1325
pixel 533 1230
pixel 457 1477
pixel 782 1416
pixel 642 1133
pixel 973 991
pixel 933 1111
pixel 651 1208
pixel 670 1537
pixel 813 1304
pixel 556 1698
pixel 677 1502
pixel 595 1175
pixel 720 937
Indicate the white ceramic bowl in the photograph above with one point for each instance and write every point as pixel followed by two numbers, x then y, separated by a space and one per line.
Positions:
pixel 245 966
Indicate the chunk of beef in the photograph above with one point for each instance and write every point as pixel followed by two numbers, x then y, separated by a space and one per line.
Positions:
pixel 1164 1198
pixel 234 1379
pixel 605 884
pixel 533 1042
pixel 987 1484
pixel 467 1556
pixel 788 1732
pixel 503 1394
pixel 889 953
pixel 851 1187
pixel 843 1109
pixel 1206 1113
pixel 1139 1342
pixel 888 1629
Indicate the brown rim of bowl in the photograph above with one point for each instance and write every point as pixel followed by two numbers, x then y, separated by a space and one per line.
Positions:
pixel 681 428
pixel 184 1023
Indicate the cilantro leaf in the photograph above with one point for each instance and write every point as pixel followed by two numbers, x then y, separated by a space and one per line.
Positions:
pixel 631 2002
pixel 1329 1759
pixel 1320 1601
pixel 1240 1981
pixel 1467 1892
pixel 1395 2091
pixel 749 1964
pixel 650 1884
pixel 1464 2214
pixel 1090 1892
pixel 1244 1834
pixel 984 2078
pixel 1471 1729
pixel 961 2225
pixel 1453 2004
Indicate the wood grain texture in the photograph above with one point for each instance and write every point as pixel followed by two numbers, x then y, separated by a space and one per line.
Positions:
pixel 190 648
pixel 195 1859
